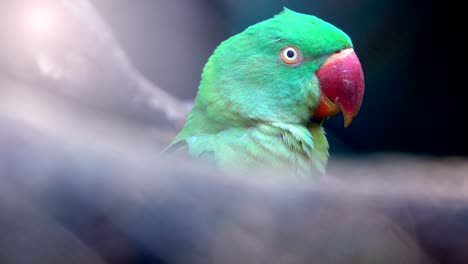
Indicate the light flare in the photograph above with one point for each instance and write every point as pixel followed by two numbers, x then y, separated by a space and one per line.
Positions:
pixel 40 20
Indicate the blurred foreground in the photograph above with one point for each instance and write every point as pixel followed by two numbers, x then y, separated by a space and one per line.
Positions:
pixel 68 200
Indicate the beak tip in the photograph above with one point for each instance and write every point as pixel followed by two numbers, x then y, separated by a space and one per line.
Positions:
pixel 348 119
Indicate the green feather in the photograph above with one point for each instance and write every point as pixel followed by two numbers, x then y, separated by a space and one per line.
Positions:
pixel 252 109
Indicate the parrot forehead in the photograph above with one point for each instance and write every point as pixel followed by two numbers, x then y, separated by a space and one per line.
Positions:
pixel 310 34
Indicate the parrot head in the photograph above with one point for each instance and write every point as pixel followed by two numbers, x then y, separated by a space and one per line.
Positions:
pixel 292 68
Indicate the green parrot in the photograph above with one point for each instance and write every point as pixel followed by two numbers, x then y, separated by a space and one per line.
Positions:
pixel 265 92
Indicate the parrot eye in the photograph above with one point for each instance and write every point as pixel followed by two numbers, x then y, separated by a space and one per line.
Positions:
pixel 289 55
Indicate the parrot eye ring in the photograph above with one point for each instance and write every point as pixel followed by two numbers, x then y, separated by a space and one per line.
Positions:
pixel 290 55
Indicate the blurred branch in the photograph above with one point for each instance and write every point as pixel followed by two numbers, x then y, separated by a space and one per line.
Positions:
pixel 70 51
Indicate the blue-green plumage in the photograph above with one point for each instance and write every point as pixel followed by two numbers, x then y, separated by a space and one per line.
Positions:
pixel 254 107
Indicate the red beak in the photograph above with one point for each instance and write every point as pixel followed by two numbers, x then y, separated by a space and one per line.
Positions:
pixel 342 83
